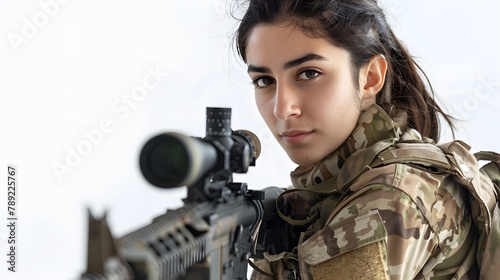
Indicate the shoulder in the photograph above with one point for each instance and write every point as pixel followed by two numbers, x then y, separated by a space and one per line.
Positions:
pixel 385 213
pixel 438 198
pixel 411 203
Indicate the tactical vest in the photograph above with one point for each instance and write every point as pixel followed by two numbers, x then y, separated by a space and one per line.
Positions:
pixel 453 158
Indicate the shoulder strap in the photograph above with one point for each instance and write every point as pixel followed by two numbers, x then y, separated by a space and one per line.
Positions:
pixel 391 151
pixel 417 153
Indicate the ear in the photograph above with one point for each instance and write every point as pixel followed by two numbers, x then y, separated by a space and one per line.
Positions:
pixel 371 80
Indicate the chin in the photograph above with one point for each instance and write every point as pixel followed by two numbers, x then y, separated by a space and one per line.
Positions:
pixel 305 155
pixel 303 160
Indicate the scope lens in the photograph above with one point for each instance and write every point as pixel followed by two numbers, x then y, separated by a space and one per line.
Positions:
pixel 172 160
pixel 169 161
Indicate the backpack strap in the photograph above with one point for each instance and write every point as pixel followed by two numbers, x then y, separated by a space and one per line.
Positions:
pixel 488 155
pixel 491 169
pixel 489 248
pixel 465 167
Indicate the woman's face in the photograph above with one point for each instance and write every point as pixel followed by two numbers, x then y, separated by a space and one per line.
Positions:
pixel 303 89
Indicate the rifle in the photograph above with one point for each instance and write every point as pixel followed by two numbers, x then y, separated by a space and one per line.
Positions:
pixel 215 233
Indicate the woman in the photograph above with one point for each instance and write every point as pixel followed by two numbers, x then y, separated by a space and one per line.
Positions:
pixel 335 86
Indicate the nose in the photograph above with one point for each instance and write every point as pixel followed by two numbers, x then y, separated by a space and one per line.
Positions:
pixel 287 102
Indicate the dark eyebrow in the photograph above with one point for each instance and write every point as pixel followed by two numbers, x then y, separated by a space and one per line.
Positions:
pixel 252 68
pixel 290 64
pixel 305 58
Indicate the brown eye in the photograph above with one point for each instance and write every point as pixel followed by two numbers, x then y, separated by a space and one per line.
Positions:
pixel 308 74
pixel 263 82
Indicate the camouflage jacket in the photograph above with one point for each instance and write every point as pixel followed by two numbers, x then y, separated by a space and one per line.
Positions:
pixel 409 221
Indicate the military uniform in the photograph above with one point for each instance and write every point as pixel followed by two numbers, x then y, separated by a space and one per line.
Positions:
pixel 396 221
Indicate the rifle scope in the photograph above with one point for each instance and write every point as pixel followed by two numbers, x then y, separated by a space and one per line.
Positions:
pixel 171 159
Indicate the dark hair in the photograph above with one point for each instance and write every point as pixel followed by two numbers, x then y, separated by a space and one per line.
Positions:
pixel 360 27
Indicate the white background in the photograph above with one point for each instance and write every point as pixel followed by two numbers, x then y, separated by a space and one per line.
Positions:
pixel 67 67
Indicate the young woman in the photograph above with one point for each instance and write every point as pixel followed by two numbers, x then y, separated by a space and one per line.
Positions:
pixel 336 87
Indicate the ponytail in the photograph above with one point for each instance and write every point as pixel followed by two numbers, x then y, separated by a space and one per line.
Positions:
pixel 406 97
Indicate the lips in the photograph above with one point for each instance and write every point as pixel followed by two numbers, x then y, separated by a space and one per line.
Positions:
pixel 295 136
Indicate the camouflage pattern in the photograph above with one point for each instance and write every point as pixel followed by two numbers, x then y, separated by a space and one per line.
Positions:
pixel 420 216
